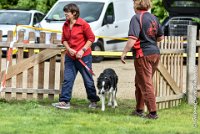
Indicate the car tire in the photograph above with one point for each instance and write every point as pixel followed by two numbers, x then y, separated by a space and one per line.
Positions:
pixel 98 46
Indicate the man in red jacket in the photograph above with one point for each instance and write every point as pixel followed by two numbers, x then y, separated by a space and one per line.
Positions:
pixel 77 37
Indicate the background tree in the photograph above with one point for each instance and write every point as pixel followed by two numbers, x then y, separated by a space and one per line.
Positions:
pixel 5 4
pixel 41 5
pixel 159 10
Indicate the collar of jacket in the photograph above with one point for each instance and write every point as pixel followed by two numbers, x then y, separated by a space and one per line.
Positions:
pixel 79 21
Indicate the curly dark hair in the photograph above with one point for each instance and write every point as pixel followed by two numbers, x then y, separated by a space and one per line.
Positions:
pixel 73 8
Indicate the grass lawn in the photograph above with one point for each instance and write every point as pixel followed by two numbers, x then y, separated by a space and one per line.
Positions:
pixel 32 117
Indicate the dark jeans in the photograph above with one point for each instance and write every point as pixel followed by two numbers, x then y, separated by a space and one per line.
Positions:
pixel 145 68
pixel 71 69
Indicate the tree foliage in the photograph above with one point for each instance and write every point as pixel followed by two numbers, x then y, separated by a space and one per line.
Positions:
pixel 5 4
pixel 41 5
pixel 159 10
pixel 197 20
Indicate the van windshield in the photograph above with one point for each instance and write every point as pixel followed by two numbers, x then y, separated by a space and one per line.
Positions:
pixel 14 18
pixel 89 11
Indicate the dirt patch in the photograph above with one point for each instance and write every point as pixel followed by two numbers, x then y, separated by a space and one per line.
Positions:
pixel 125 73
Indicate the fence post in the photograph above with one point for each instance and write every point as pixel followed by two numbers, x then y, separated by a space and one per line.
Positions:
pixel 191 59
pixel 1 35
pixel 198 72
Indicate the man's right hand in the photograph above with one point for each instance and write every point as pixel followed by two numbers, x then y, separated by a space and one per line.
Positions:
pixel 123 58
pixel 72 52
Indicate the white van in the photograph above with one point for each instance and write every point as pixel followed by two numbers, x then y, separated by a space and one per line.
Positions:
pixel 109 18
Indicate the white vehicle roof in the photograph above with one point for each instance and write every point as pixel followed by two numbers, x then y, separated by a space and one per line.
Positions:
pixel 25 11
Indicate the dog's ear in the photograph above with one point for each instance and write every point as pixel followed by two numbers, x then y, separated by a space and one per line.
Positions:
pixel 98 85
pixel 99 79
pixel 116 78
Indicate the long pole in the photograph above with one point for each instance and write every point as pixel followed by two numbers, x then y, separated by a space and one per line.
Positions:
pixel 191 55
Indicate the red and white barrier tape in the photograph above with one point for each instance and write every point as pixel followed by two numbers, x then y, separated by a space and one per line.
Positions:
pixel 83 63
pixel 8 60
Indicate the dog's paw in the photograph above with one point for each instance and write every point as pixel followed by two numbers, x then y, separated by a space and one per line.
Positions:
pixel 109 103
pixel 114 106
pixel 103 109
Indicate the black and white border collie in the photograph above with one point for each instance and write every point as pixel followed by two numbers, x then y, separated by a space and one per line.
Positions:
pixel 107 84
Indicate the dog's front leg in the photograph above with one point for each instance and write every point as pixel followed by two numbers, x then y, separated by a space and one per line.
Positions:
pixel 110 99
pixel 102 102
pixel 110 102
pixel 114 97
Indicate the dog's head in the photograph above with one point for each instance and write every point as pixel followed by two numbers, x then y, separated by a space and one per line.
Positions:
pixel 103 83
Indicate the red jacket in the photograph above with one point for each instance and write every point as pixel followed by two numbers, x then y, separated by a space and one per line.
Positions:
pixel 78 36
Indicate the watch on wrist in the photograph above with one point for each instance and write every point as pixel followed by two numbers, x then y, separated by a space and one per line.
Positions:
pixel 84 49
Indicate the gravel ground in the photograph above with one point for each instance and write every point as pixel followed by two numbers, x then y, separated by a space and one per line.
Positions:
pixel 125 74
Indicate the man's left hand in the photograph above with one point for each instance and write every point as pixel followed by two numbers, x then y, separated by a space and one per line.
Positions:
pixel 79 55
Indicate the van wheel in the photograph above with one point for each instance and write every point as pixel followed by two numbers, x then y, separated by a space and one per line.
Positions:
pixel 98 46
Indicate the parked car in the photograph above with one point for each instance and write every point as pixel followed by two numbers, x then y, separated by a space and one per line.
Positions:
pixel 181 14
pixel 106 18
pixel 10 18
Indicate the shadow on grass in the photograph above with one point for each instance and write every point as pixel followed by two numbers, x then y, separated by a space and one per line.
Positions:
pixel 125 107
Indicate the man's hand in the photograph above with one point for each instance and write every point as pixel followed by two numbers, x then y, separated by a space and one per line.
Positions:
pixel 127 48
pixel 72 52
pixel 123 58
pixel 79 55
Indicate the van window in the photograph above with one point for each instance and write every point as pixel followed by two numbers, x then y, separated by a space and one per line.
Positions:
pixel 89 11
pixel 185 3
pixel 14 18
pixel 109 15
pixel 37 18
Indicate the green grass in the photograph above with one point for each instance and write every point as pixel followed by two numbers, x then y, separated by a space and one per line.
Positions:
pixel 32 117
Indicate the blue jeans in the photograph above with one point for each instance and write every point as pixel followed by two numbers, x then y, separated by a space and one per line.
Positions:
pixel 70 72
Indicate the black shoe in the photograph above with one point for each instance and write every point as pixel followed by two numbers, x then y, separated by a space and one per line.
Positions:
pixel 151 116
pixel 139 114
